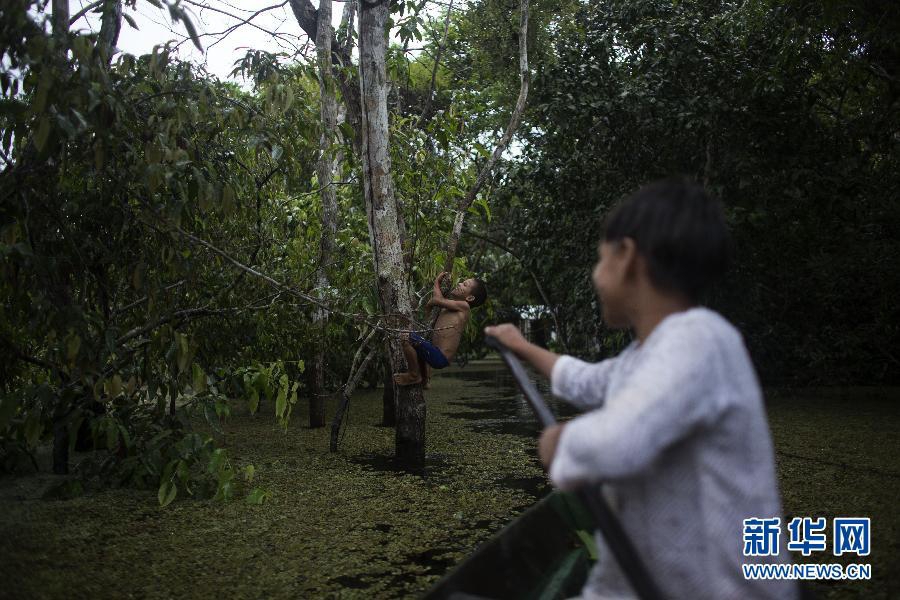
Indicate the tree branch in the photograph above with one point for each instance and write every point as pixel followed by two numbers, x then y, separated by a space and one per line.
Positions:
pixel 307 298
pixel 348 388
pixel 85 11
pixel 466 201
pixel 437 61
pixel 25 357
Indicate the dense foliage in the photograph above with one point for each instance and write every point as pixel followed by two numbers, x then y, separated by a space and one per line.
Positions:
pixel 160 229
pixel 787 111
pixel 116 321
pixel 160 237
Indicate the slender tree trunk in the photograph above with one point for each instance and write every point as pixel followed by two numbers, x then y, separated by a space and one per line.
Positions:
pixel 341 51
pixel 60 17
pixel 327 165
pixel 388 398
pixel 356 372
pixel 384 218
pixel 486 171
pixel 110 26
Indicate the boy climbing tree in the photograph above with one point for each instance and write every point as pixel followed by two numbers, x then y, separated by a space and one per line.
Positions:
pixel 448 329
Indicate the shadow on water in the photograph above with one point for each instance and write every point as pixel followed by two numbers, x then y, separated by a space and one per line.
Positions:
pixel 488 401
pixel 499 407
pixel 431 467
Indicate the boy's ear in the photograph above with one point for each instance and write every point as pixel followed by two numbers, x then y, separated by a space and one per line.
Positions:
pixel 470 298
pixel 629 253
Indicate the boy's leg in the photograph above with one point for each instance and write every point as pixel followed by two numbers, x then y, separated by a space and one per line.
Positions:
pixel 413 374
pixel 428 352
pixel 426 376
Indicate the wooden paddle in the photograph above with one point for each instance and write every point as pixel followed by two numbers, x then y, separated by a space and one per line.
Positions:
pixel 616 539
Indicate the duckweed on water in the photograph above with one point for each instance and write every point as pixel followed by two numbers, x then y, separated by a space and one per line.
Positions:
pixel 334 525
pixel 354 525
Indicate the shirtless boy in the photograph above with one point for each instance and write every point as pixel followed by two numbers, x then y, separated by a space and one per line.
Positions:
pixel 448 329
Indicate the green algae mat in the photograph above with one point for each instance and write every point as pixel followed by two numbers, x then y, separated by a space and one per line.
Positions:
pixel 353 525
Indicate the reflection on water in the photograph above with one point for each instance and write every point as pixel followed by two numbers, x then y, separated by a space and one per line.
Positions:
pixel 498 406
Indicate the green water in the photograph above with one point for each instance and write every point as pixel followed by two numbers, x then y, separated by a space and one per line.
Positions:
pixel 354 525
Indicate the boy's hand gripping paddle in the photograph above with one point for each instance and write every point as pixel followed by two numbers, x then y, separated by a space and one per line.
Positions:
pixel 616 539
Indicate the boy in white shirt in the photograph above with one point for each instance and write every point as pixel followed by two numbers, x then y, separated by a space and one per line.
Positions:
pixel 675 426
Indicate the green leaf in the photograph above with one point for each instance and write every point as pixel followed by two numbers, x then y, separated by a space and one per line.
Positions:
pixel 43 92
pixel 126 437
pixel 42 133
pixel 198 379
pixel 222 409
pixel 183 472
pixel 33 427
pixel 588 541
pixel 217 461
pixel 281 400
pixel 249 472
pixel 114 386
pixel 176 13
pixel 184 354
pixel 347 130
pixel 225 491
pixel 167 493
pixel 254 401
pixel 257 496
pixel 227 197
pixel 262 384
pixel 130 20
pixel 212 418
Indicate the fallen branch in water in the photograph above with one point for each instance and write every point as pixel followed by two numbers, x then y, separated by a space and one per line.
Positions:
pixel 346 390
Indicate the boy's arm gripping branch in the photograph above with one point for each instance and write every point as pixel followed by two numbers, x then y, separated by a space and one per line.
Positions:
pixel 438 298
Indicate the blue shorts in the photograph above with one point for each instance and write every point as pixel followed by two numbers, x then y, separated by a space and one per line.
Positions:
pixel 428 352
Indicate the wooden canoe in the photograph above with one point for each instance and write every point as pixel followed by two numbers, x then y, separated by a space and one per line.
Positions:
pixel 546 553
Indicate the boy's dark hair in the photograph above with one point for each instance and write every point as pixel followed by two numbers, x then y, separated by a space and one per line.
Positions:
pixel 480 293
pixel 680 231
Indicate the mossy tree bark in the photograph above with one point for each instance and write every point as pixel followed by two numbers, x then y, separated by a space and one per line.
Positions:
pixel 385 230
pixel 328 164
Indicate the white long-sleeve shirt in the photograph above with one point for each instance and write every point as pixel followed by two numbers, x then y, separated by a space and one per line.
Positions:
pixel 677 429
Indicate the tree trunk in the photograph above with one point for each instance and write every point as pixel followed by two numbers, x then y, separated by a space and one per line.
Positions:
pixel 347 393
pixel 384 218
pixel 307 18
pixel 486 172
pixel 110 25
pixel 388 398
pixel 325 169
pixel 60 18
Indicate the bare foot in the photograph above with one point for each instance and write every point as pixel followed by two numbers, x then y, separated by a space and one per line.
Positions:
pixel 427 385
pixel 406 379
